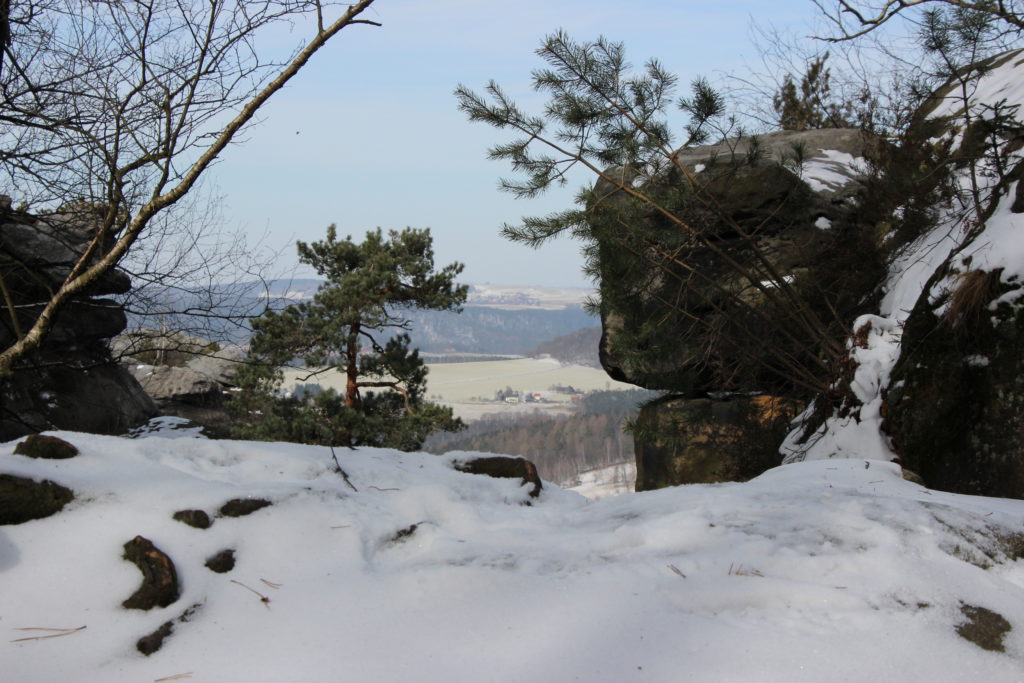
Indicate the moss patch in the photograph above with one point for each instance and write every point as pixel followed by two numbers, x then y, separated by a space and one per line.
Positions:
pixel 23 499
pixel 46 447
pixel 983 627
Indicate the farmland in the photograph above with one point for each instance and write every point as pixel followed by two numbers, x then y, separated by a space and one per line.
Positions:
pixel 470 387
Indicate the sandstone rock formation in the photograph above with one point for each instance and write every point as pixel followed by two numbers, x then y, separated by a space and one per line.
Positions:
pixel 936 348
pixel 70 382
pixel 185 376
pixel 787 192
pixel 708 336
pixel 705 441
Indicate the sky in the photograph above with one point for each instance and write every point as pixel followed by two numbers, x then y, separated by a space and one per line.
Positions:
pixel 369 135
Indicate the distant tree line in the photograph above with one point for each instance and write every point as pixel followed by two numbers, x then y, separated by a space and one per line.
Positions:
pixel 561 446
pixel 575 348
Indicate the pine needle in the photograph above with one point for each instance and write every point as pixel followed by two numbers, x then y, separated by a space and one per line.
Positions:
pixel 675 569
pixel 53 633
pixel 263 598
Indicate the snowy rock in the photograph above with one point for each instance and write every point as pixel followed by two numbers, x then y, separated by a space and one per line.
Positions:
pixel 23 499
pixel 165 383
pixel 505 467
pixel 221 562
pixel 935 378
pixel 46 446
pixel 197 519
pixel 830 160
pixel 159 577
pixel 785 190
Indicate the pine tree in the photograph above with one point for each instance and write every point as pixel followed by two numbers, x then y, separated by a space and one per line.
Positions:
pixel 811 106
pixel 357 324
pixel 659 240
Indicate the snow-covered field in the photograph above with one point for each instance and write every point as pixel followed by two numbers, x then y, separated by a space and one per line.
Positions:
pixel 816 571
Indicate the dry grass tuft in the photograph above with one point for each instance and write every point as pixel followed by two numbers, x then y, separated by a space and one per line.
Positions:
pixel 972 293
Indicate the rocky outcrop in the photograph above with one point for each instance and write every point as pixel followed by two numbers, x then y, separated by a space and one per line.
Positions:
pixel 955 404
pixel 165 383
pixel 185 376
pixel 504 467
pixel 70 382
pixel 705 441
pixel 782 203
pixel 932 289
pixel 789 191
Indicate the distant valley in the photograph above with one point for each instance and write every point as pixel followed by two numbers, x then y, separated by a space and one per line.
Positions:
pixel 496 320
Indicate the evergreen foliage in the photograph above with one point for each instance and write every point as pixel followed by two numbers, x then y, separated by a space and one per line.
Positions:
pixel 658 241
pixel 357 323
pixel 811 106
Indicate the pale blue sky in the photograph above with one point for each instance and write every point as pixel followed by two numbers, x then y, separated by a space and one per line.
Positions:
pixel 369 134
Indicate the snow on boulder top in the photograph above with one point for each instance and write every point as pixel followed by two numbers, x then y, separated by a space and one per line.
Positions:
pixel 830 160
pixel 829 170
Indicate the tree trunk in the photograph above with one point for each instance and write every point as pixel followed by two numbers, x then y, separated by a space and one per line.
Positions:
pixel 352 368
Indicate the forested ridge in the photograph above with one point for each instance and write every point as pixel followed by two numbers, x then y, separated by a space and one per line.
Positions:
pixel 561 446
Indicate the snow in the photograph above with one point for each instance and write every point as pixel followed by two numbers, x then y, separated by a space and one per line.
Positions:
pixel 828 570
pixel 603 482
pixel 831 169
pixel 996 245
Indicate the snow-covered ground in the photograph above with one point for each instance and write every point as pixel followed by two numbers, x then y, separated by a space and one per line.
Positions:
pixel 817 571
pixel 602 482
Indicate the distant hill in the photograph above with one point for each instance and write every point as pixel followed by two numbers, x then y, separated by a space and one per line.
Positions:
pixel 482 329
pixel 496 320
pixel 576 348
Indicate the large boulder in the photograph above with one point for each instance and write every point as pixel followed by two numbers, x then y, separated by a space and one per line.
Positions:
pixel 69 382
pixel 220 366
pixel 955 406
pixel 705 440
pixel 192 381
pixel 94 395
pixel 783 197
pixel 165 383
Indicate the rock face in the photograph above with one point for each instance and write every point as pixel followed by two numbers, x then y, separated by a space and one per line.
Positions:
pixel 956 398
pixel 70 382
pixel 704 441
pixel 954 408
pixel 782 202
pixel 786 191
pixel 188 380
